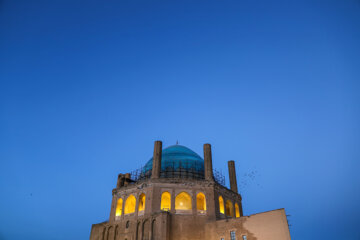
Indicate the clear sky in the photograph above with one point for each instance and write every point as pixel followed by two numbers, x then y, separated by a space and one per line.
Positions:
pixel 88 86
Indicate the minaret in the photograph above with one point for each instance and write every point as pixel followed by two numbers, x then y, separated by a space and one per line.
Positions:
pixel 208 162
pixel 232 176
pixel 156 167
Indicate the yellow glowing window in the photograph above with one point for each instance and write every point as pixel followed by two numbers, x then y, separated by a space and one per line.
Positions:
pixel 201 202
pixel 221 205
pixel 183 201
pixel 237 211
pixel 130 204
pixel 142 202
pixel 165 201
pixel 119 207
pixel 229 208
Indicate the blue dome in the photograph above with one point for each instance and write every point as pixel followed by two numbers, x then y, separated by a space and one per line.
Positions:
pixel 178 157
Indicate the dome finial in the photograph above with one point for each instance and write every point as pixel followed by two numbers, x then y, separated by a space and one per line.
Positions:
pixel 177 142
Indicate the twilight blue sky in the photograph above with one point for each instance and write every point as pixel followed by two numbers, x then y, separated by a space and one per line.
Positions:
pixel 87 86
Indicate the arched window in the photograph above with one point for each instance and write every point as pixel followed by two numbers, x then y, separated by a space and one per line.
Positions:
pixel 154 234
pixel 138 231
pixel 183 201
pixel 229 208
pixel 111 233
pixel 130 204
pixel 146 230
pixel 119 207
pixel 221 205
pixel 165 201
pixel 142 202
pixel 201 202
pixel 237 211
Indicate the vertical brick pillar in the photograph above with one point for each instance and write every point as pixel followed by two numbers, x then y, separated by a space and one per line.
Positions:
pixel 156 167
pixel 208 162
pixel 113 208
pixel 232 176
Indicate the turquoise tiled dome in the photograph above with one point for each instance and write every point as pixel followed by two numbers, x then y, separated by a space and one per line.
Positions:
pixel 178 157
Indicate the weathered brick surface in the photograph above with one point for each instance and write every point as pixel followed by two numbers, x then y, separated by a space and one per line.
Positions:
pixel 155 224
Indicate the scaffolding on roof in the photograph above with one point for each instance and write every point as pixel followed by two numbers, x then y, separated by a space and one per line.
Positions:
pixel 183 170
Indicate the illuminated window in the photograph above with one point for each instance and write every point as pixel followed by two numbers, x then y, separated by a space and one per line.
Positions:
pixel 221 205
pixel 232 235
pixel 142 202
pixel 201 202
pixel 237 211
pixel 229 208
pixel 119 207
pixel 183 201
pixel 165 201
pixel 130 204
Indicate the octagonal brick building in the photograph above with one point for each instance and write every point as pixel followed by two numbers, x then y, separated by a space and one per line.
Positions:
pixel 178 196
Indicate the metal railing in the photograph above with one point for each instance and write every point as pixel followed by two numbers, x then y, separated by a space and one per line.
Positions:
pixel 184 171
pixel 219 177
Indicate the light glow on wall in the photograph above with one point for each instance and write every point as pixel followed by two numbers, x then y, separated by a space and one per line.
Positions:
pixel 237 211
pixel 165 201
pixel 201 202
pixel 183 201
pixel 229 208
pixel 130 204
pixel 142 199
pixel 221 205
pixel 119 207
